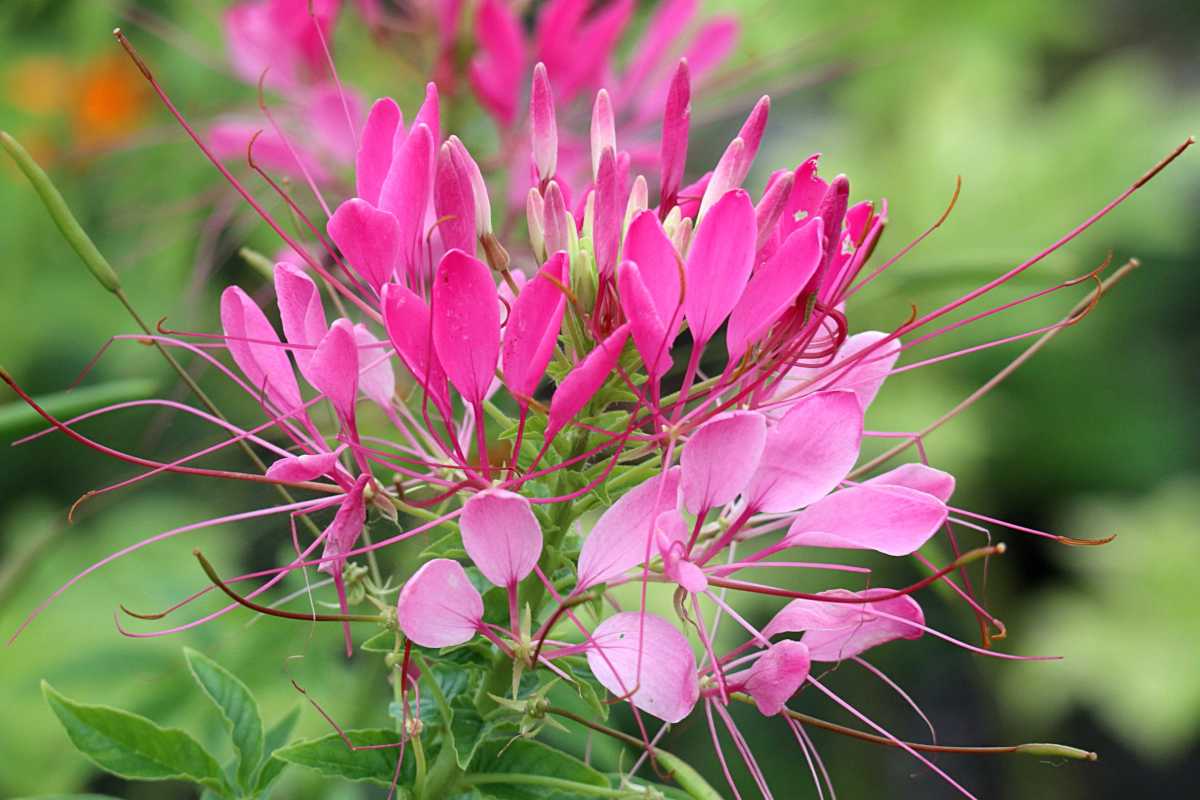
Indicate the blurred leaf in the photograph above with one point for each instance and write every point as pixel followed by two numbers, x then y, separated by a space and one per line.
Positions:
pixel 17 419
pixel 133 747
pixel 237 706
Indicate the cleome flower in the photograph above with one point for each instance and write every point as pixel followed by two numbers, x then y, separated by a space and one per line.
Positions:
pixel 660 398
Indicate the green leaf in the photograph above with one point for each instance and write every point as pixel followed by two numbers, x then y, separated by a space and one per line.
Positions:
pixel 71 797
pixel 237 706
pixel 382 642
pixel 276 738
pixel 531 757
pixel 18 419
pixel 330 756
pixel 133 747
pixel 469 731
pixel 669 792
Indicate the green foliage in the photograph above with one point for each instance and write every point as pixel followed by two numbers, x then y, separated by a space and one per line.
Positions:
pixel 237 707
pixel 330 756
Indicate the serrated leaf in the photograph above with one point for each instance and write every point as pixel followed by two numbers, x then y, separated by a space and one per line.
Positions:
pixel 237 706
pixel 133 747
pixel 276 738
pixel 330 756
pixel 531 757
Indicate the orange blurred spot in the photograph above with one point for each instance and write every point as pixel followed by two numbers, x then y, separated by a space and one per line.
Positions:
pixel 111 101
pixel 38 85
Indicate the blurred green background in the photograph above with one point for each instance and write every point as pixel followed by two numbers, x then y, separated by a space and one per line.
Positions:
pixel 1047 109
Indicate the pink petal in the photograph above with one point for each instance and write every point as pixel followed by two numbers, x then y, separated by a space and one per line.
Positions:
pixel 385 125
pixel 712 45
pixel 648 329
pixel 300 311
pixel 646 653
pixel 752 132
pixel 647 245
pixel 889 519
pixel 543 127
pixel 770 208
pixel 408 324
pixel 304 468
pixel 807 453
pixel 257 351
pixel 837 631
pixel 438 606
pixel 430 112
pixel 832 210
pixel 454 201
pixel 581 67
pixel 862 375
pixel 532 329
pixel 334 368
pixel 368 238
pixel 556 219
pixel 608 214
pixel 406 192
pixel 376 378
pixel 657 43
pixel 677 118
pixel 776 676
pixel 582 383
pixel 604 129
pixel 619 539
pixel 719 264
pixel 501 535
pixel 479 192
pixel 466 324
pixel 720 458
pixel 495 72
pixel 774 289
pixel 919 477
pixel 724 176
pixel 344 529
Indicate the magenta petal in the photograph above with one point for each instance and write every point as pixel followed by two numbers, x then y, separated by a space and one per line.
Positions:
pixel 837 631
pixel 719 263
pixel 344 529
pixel 385 125
pixel 720 458
pixel 479 191
pixel 301 312
pixel 677 119
pixel 648 329
pixel 543 127
pixel 751 134
pixel 532 329
pixel 832 210
pixel 889 519
pixel 919 477
pixel 501 535
pixel 257 351
pixel 619 539
pixel 430 112
pixel 808 452
pixel 334 368
pixel 582 383
pixel 406 192
pixel 369 239
pixel 304 468
pixel 438 606
pixel 466 324
pixel 556 218
pixel 495 71
pixel 776 676
pixel 609 210
pixel 774 288
pixel 454 201
pixel 408 324
pixel 770 208
pixel 647 245
pixel 647 653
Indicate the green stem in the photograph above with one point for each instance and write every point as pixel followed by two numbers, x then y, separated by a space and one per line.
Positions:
pixel 572 787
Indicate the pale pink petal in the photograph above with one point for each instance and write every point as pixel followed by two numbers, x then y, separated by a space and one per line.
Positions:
pixel 532 329
pixel 501 535
pixel 648 329
pixel 368 238
pixel 752 132
pixel 919 477
pixel 724 176
pixel 648 656
pixel 305 467
pixel 376 379
pixel 466 323
pixel 556 219
pixel 257 351
pixel 808 452
pixel 479 191
pixel 334 368
pixel 862 374
pixel 438 606
pixel 719 264
pixel 776 676
pixel 300 311
pixel 720 458
pixel 774 289
pixel 619 539
pixel 837 631
pixel 543 127
pixel 581 384
pixel 893 520
pixel 409 326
